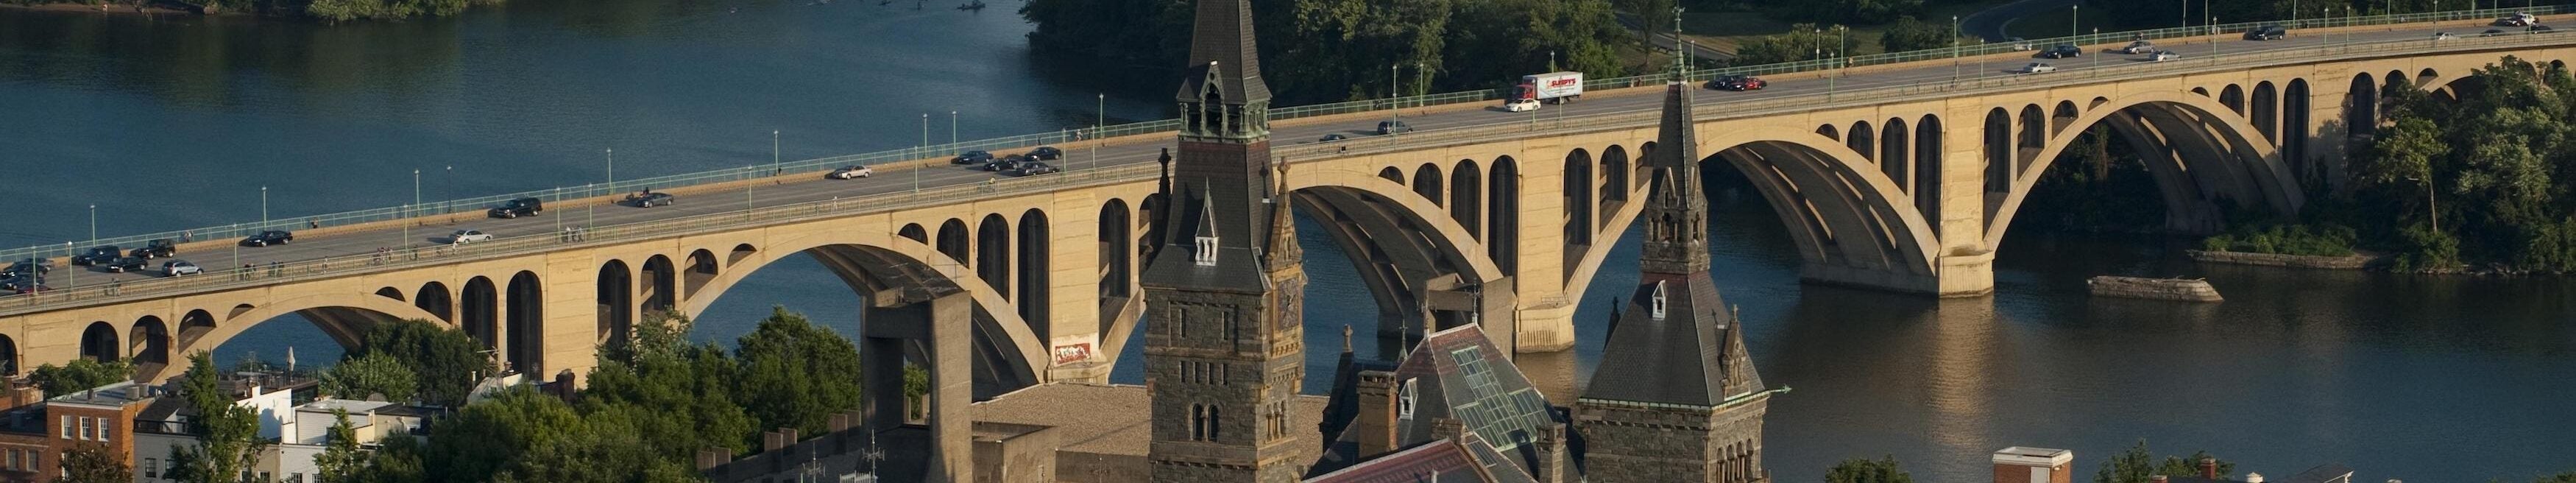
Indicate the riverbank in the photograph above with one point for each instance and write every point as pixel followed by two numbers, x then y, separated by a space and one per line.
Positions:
pixel 128 8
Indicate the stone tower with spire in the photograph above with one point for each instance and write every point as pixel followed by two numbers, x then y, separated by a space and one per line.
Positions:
pixel 1224 349
pixel 1676 397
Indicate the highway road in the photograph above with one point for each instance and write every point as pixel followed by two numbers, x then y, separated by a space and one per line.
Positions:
pixel 1285 133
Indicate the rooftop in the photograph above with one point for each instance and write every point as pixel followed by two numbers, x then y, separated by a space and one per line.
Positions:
pixel 2028 456
pixel 1110 419
pixel 115 395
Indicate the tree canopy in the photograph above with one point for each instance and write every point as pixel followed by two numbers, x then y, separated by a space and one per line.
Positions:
pixel 795 374
pixel 2487 178
pixel 370 375
pixel 228 434
pixel 2137 465
pixel 79 375
pixel 1865 470
pixel 95 463
pixel 447 361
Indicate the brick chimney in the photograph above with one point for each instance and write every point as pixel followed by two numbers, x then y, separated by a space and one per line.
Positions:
pixel 2209 468
pixel 1448 428
pixel 2034 465
pixel 1552 458
pixel 1376 421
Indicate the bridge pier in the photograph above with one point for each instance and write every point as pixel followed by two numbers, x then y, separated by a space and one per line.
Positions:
pixel 941 324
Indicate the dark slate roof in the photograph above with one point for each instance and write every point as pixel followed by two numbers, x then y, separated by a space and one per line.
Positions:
pixel 1221 40
pixel 1676 131
pixel 1466 460
pixel 1342 408
pixel 1237 268
pixel 1692 356
pixel 1459 373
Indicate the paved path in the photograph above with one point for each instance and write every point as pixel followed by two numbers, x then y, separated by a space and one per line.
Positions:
pixel 1289 133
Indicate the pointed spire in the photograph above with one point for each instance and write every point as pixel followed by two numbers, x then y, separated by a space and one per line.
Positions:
pixel 1284 251
pixel 1222 50
pixel 1677 144
pixel 1676 214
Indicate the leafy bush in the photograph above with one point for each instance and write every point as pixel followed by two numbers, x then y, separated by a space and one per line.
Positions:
pixel 2428 249
pixel 2327 241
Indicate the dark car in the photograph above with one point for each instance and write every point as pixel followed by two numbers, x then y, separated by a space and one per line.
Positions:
pixel 125 264
pixel 31 266
pixel 518 208
pixel 2062 51
pixel 1046 153
pixel 1392 127
pixel 24 285
pixel 1332 137
pixel 1036 168
pixel 972 157
pixel 271 237
pixel 1738 83
pixel 2539 29
pixel 1005 164
pixel 2491 33
pixel 649 200
pixel 156 249
pixel 98 255
pixel 2267 32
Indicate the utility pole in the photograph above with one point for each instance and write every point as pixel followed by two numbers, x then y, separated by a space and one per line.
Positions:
pixel 415 205
pixel 2074 17
pixel 1099 126
pixel 952 129
pixel 773 149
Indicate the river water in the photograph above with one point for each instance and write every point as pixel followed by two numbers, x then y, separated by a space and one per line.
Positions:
pixel 177 121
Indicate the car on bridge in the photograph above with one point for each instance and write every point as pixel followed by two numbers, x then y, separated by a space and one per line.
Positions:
pixel 2539 29
pixel 2138 47
pixel 2018 44
pixel 1046 153
pixel 24 285
pixel 2037 67
pixel 270 237
pixel 1034 168
pixel 1009 163
pixel 175 268
pixel 2491 33
pixel 2163 55
pixel 2062 51
pixel 650 199
pixel 1732 82
pixel 161 248
pixel 1520 105
pixel 2518 19
pixel 2267 32
pixel 97 255
pixel 849 172
pixel 124 264
pixel 972 157
pixel 25 267
pixel 1332 137
pixel 1392 127
pixel 468 235
pixel 2445 36
pixel 518 208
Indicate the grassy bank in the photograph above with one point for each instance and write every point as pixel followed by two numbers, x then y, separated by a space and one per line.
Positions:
pixel 1725 30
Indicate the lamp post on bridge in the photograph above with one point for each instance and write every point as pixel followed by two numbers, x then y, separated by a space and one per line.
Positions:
pixel 952 129
pixel 1954 49
pixel 773 151
pixel 93 224
pixel 407 214
pixel 263 207
pixel 1099 126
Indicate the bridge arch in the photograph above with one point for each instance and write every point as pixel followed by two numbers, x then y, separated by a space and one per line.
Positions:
pixel 1928 155
pixel 660 284
pixel 1117 250
pixel 8 356
pixel 915 232
pixel 1426 182
pixel 1403 246
pixel 702 267
pixel 954 241
pixel 1578 198
pixel 2234 159
pixel 616 301
pixel 1842 211
pixel 883 263
pixel 391 293
pixel 2234 98
pixel 345 317
pixel 1863 141
pixel 480 314
pixel 1502 216
pixel 1391 174
pixel 993 253
pixel 1616 170
pixel 1035 290
pixel 1895 144
pixel 435 299
pixel 98 342
pixel 524 333
pixel 2361 106
pixel 148 342
pixel 1467 197
pixel 2266 114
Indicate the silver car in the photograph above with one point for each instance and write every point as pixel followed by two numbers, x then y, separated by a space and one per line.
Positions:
pixel 175 268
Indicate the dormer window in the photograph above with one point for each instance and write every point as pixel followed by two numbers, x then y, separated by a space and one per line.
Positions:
pixel 1404 400
pixel 1206 253
pixel 1656 305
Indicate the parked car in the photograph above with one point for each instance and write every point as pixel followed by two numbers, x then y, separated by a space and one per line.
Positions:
pixel 1392 127
pixel 848 172
pixel 1006 164
pixel 26 267
pixel 175 268
pixel 1332 137
pixel 1046 153
pixel 1520 105
pixel 2038 67
pixel 468 235
pixel 2267 32
pixel 2138 47
pixel 97 255
pixel 157 249
pixel 2163 55
pixel 518 208
pixel 125 264
pixel 1738 83
pixel 972 157
pixel 650 199
pixel 2062 51
pixel 1036 168
pixel 271 237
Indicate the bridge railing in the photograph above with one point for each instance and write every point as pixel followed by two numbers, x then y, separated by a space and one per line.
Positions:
pixel 229 277
pixel 605 188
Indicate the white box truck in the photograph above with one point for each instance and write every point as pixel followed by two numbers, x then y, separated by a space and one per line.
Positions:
pixel 1552 87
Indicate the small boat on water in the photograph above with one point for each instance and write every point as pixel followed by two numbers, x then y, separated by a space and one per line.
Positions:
pixel 974 5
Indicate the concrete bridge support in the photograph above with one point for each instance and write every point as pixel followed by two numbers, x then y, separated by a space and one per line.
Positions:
pixel 936 325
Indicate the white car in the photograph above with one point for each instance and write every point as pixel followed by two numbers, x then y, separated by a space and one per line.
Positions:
pixel 2163 55
pixel 849 172
pixel 2444 36
pixel 2038 67
pixel 180 267
pixel 1520 105
pixel 468 236
pixel 2138 47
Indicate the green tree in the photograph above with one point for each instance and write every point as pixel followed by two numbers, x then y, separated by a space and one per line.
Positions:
pixel 95 463
pixel 686 390
pixel 1908 34
pixel 341 460
pixel 1804 41
pixel 1865 470
pixel 795 374
pixel 369 375
pixel 397 459
pixel 228 433
pixel 491 437
pixel 448 361
pixel 2137 465
pixel 79 375
pixel 916 383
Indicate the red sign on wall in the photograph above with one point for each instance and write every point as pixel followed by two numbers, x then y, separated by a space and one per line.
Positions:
pixel 1072 353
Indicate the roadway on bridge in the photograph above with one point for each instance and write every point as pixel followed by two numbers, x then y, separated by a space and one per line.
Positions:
pixel 1288 132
